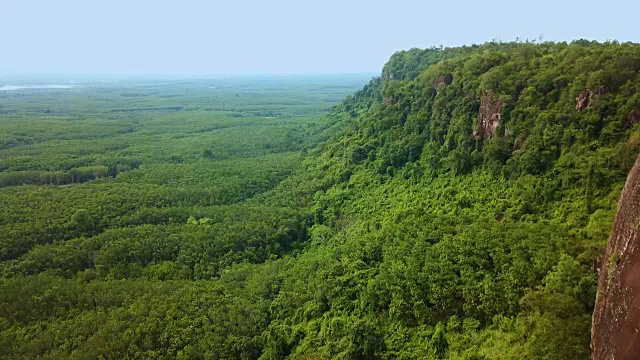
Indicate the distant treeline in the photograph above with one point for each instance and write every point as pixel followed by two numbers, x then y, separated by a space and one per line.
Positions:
pixel 60 177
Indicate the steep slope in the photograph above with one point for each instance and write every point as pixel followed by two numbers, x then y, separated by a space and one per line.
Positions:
pixel 463 210
pixel 617 310
pixel 458 210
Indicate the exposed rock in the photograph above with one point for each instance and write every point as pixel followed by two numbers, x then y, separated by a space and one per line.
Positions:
pixel 583 100
pixel 388 100
pixel 615 333
pixel 634 117
pixel 444 80
pixel 490 116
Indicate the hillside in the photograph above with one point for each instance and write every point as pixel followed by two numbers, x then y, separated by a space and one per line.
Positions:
pixel 458 209
pixel 465 210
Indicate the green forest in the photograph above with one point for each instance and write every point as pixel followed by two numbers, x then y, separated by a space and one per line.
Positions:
pixel 454 207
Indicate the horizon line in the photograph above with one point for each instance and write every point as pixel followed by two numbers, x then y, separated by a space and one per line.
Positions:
pixel 182 74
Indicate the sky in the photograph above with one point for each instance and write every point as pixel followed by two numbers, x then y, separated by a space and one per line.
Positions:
pixel 278 36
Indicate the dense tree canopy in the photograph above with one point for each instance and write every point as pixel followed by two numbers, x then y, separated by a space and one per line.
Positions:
pixel 455 207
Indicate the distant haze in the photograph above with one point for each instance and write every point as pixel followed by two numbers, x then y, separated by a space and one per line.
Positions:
pixel 281 36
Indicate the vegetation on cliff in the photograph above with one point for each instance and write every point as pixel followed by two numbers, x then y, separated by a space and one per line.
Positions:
pixel 457 209
pixel 464 210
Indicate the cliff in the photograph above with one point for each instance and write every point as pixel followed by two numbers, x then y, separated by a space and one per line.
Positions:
pixel 616 317
pixel 496 138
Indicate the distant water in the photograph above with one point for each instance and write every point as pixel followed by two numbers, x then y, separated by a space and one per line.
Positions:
pixel 26 87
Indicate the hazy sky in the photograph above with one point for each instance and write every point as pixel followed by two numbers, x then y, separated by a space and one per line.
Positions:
pixel 281 36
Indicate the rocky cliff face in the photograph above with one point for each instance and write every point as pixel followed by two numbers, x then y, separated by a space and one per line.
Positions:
pixel 443 80
pixel 490 116
pixel 586 97
pixel 616 319
pixel 582 100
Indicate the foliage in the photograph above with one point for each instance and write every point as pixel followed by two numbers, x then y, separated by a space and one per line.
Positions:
pixel 255 222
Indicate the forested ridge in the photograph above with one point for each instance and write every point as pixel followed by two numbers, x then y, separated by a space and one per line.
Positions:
pixel 456 207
